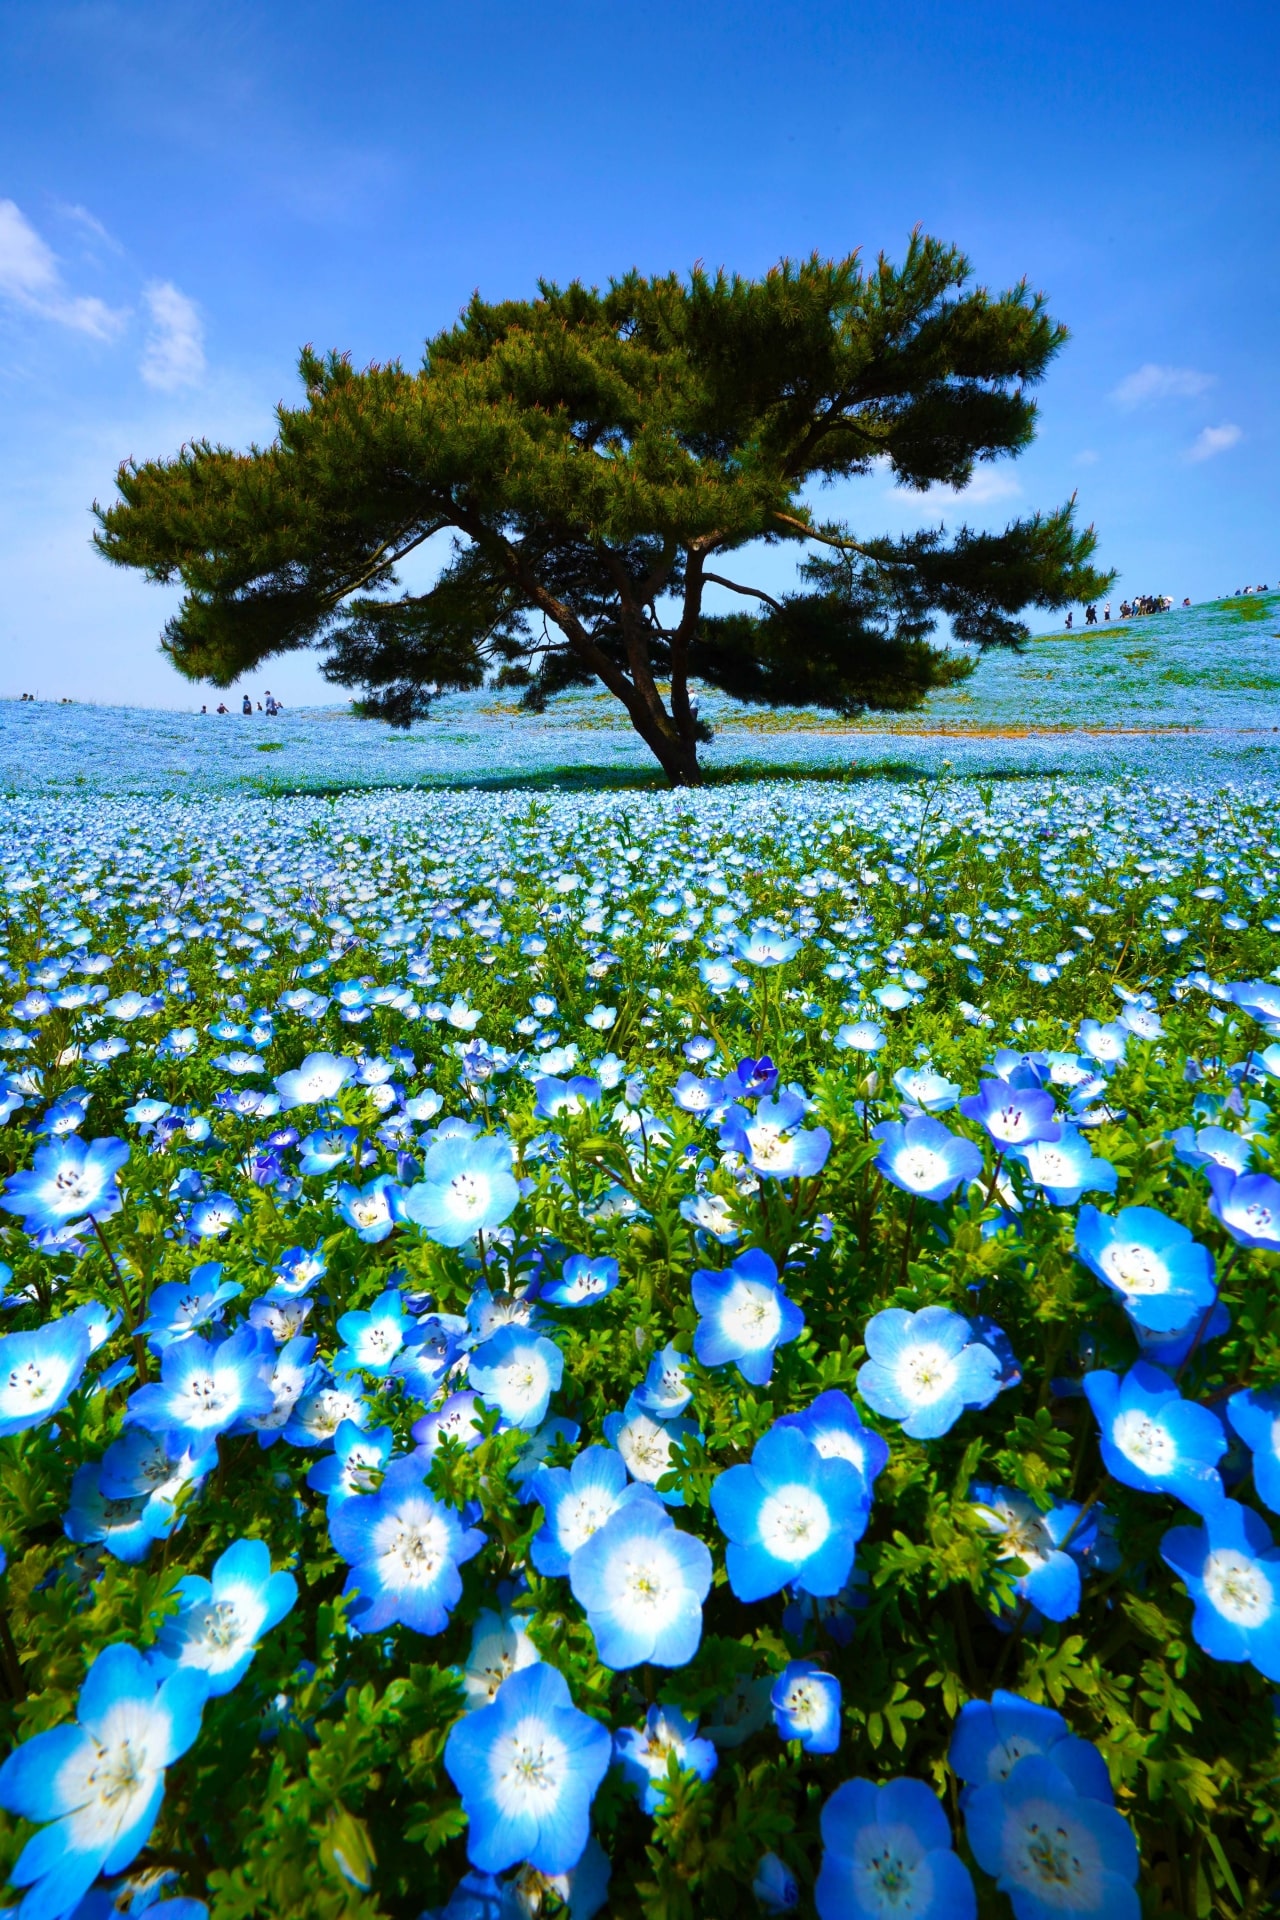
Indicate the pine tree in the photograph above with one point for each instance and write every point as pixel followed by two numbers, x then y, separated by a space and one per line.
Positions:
pixel 599 459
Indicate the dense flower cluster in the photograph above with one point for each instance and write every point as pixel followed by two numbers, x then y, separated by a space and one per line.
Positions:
pixel 558 1363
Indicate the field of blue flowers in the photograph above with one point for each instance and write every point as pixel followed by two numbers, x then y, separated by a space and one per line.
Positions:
pixel 642 1354
pixel 1195 693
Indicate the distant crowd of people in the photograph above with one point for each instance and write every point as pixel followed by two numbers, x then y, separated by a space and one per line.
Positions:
pixel 1142 603
pixel 1241 591
pixel 272 707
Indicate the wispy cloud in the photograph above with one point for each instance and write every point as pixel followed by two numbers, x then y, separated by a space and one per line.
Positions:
pixel 81 217
pixel 30 278
pixel 1087 457
pixel 986 489
pixel 1214 440
pixel 1153 382
pixel 174 354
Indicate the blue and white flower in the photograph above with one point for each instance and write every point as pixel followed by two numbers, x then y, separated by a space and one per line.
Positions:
pixel 925 1368
pixel 221 1620
pixel 1153 1439
pixel 404 1548
pixel 642 1583
pixel 886 1850
pixel 467 1187
pixel 792 1519
pixel 1050 1848
pixel 1163 1276
pixel 924 1158
pixel 517 1371
pixel 96 1785
pixel 806 1706
pixel 745 1315
pixel 527 1768
pixel 647 1754
pixel 1231 1568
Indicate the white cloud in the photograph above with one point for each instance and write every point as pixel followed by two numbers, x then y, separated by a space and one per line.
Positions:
pixel 174 355
pixel 1152 382
pixel 82 217
pixel 1087 458
pixel 1214 440
pixel 30 278
pixel 987 487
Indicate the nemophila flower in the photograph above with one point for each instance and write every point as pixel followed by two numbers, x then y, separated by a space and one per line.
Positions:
pixel 1050 1848
pixel 720 976
pixel 282 1318
pixel 1051 1583
pixel 321 1410
pixel 1064 1166
pixel 373 1336
pixel 831 1422
pixel 535 1449
pixel 924 1158
pixel 647 1445
pixel 39 1371
pixel 665 1391
pixel 1255 1415
pixel 373 1210
pixel 205 1388
pixel 221 1620
pixel 298 1269
pixel 458 1420
pixel 1012 1116
pixel 1260 998
pixel 527 1768
pixel 991 1736
pixel 1170 1350
pixel 321 1077
pixel 859 1036
pixel 745 1315
pixel 517 1371
pixel 98 1783
pixel 129 1498
pixel 500 1646
pixel 1103 1041
pixel 642 1583
pixel 924 1090
pixel 1153 1439
pixel 67 1181
pixel 766 945
pixel 887 1850
pixel 576 1502
pixel 1231 1568
pixel 1164 1277
pixel 355 1465
pixel 466 1188
pixel 295 1373
pixel 772 1140
pixel 557 1098
pixel 792 1519
pixel 645 1754
pixel 1247 1206
pixel 585 1278
pixel 325 1149
pixel 182 1307
pixel 806 1706
pixel 404 1548
pixel 923 1369
pixel 712 1213
pixel 212 1217
pixel 1212 1146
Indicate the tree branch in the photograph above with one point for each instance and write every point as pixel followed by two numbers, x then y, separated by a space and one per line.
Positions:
pixel 755 592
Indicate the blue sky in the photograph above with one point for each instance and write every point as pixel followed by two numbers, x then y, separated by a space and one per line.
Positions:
pixel 188 192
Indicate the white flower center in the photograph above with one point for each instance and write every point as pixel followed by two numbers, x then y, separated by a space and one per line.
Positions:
pixel 411 1546
pixel 752 1314
pixel 926 1373
pixel 581 1515
pixel 1238 1588
pixel 529 1769
pixel 920 1167
pixel 1135 1268
pixel 794 1523
pixel 1144 1441
pixel 468 1194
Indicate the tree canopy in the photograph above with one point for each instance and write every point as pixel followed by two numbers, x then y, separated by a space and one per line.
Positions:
pixel 600 458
